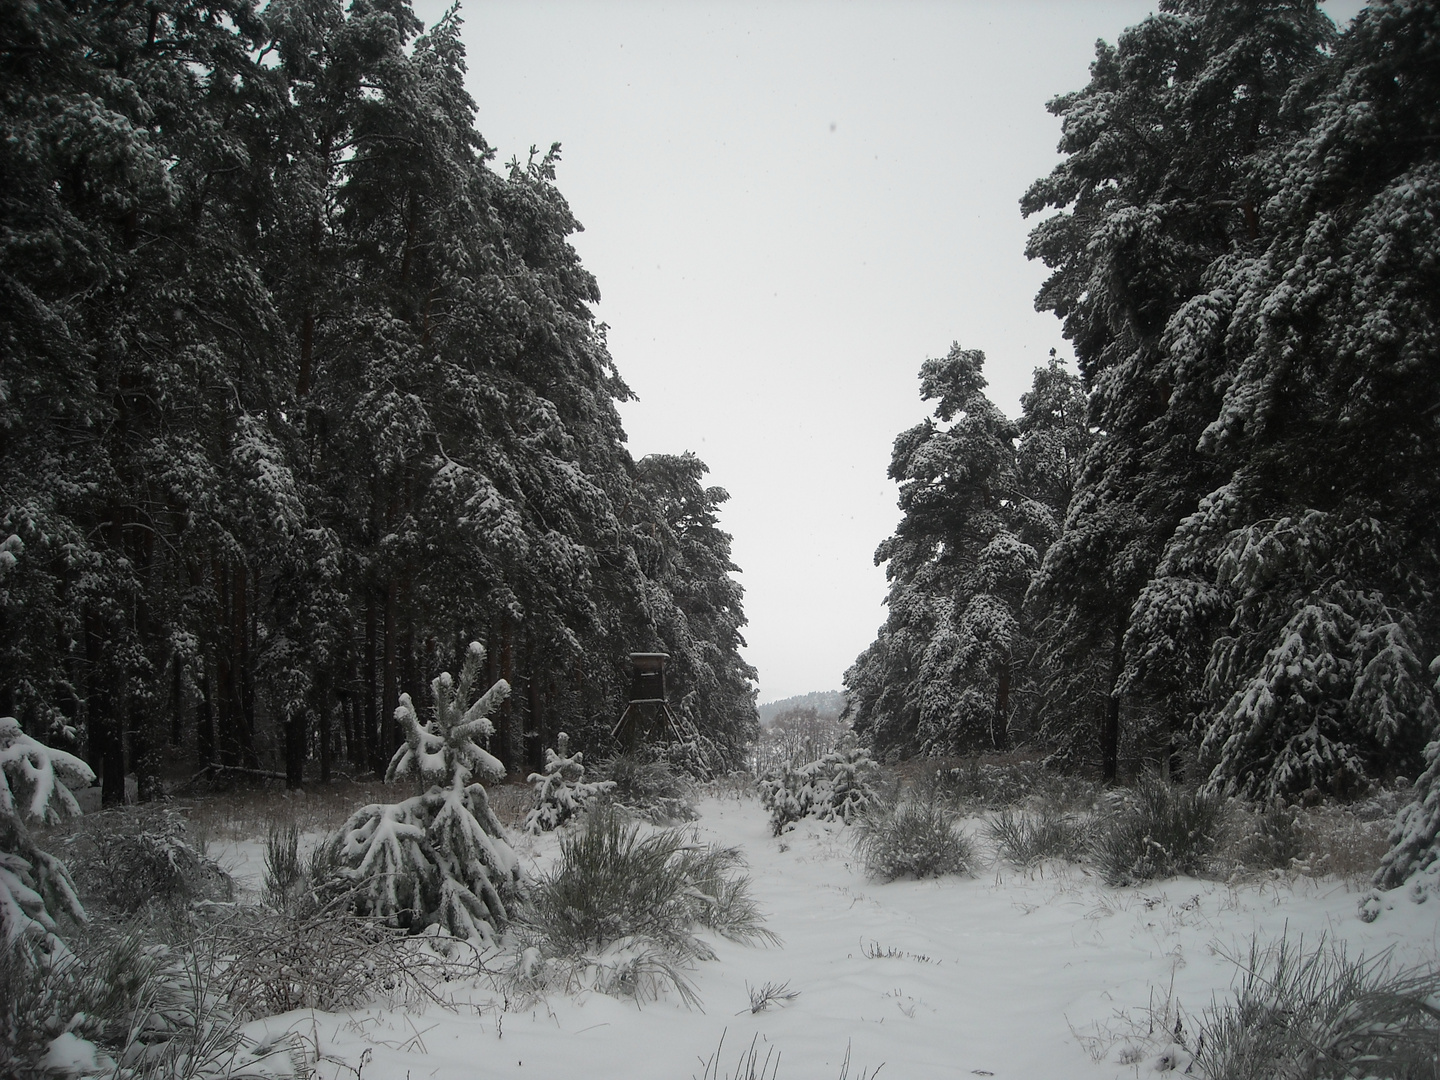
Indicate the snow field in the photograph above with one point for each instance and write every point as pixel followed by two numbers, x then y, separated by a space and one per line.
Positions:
pixel 1043 974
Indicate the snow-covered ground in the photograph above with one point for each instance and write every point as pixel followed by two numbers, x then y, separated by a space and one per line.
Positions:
pixel 1045 974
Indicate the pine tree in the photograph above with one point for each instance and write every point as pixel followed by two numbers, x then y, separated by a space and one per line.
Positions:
pixel 439 858
pixel 1302 587
pixel 35 887
pixel 1167 171
pixel 981 497
pixel 561 791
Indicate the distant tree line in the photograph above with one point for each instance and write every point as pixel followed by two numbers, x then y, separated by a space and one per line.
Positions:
pixel 1219 547
pixel 300 394
pixel 828 703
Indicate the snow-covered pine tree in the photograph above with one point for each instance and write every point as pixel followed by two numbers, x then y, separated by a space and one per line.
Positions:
pixel 560 791
pixel 35 887
pixel 1297 602
pixel 439 858
pixel 953 658
pixel 837 787
pixel 1415 839
pixel 1167 170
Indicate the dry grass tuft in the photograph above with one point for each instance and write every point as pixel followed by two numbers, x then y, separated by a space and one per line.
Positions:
pixel 244 813
pixel 1346 842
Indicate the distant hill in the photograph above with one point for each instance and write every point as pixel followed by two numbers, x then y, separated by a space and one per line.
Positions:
pixel 828 703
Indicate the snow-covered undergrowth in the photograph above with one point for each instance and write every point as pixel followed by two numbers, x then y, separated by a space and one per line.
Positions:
pixel 1043 972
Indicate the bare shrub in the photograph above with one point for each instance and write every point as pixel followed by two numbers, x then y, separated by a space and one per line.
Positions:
pixel 1345 841
pixel 148 1010
pixel 324 958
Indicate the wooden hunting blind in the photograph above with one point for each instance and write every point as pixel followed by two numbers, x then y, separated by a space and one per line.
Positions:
pixel 646 715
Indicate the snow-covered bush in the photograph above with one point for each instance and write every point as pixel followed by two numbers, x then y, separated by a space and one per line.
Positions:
pixel 1415 839
pixel 980 784
pixel 129 858
pixel 837 787
pixel 1266 837
pixel 911 836
pixel 1158 830
pixel 35 887
pixel 621 909
pixel 123 1005
pixel 650 788
pixel 439 858
pixel 561 791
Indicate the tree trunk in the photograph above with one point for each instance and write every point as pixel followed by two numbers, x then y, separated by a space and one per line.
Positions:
pixel 205 720
pixel 1002 708
pixel 535 731
pixel 107 750
pixel 511 741
pixel 1110 732
pixel 390 731
pixel 371 731
pixel 244 673
pixel 297 736
pixel 326 721
pixel 146 729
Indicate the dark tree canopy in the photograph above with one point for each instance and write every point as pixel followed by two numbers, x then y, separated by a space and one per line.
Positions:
pixel 1241 241
pixel 300 394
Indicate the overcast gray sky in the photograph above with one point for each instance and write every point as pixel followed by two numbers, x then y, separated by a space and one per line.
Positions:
pixel 788 207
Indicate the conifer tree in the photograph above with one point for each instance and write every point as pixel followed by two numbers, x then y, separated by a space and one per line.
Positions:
pixel 439 858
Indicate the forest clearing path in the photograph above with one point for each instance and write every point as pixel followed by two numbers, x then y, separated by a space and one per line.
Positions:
pixel 1016 975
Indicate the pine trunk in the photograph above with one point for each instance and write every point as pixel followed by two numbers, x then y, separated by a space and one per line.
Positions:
pixel 1002 709
pixel 1110 732
pixel 370 731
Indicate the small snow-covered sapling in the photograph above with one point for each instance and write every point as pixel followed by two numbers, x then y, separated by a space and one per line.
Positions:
pixel 440 858
pixel 560 791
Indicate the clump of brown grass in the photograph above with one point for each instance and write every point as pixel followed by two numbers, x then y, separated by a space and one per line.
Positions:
pixel 511 802
pixel 324 958
pixel 243 813
pixel 1346 842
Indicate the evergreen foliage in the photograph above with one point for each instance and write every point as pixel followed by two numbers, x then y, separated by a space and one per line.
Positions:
pixel 439 858
pixel 560 791
pixel 1245 572
pixel 301 391
pixel 35 887
pixel 840 786
pixel 951 670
